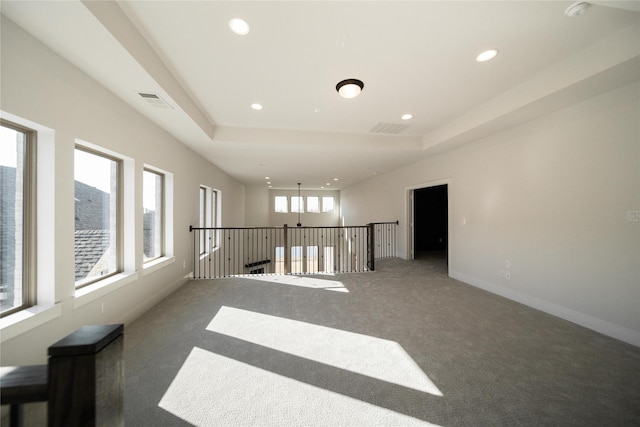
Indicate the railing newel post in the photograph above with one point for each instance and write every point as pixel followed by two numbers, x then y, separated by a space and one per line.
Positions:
pixel 287 251
pixel 86 378
pixel 372 242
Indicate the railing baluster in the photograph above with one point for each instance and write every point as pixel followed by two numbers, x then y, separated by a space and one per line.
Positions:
pixel 234 251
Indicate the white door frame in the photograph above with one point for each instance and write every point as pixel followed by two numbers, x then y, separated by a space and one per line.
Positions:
pixel 409 212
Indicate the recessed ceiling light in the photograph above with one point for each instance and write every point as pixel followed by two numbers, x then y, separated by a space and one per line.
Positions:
pixel 487 55
pixel 239 26
pixel 328 183
pixel 407 116
pixel 349 88
pixel 266 177
pixel 256 106
pixel 335 179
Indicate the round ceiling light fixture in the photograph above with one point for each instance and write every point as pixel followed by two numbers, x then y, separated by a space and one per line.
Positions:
pixel 576 9
pixel 349 88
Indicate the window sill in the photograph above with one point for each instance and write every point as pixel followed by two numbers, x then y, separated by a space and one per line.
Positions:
pixel 99 289
pixel 157 264
pixel 27 319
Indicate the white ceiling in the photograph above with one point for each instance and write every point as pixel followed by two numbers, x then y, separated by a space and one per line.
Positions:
pixel 414 57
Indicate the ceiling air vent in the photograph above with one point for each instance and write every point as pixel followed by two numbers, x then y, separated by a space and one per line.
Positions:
pixel 390 128
pixel 155 101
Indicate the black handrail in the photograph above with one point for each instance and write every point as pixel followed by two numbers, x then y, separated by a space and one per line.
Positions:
pixel 231 251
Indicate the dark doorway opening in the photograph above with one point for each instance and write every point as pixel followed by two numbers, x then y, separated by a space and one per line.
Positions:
pixel 430 222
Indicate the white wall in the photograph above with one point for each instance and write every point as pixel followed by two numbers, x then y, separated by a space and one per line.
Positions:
pixel 41 87
pixel 256 206
pixel 551 196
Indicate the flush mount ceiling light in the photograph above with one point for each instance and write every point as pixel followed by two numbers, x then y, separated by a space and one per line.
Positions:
pixel 239 26
pixel 349 88
pixel 407 116
pixel 487 55
pixel 576 9
pixel 256 106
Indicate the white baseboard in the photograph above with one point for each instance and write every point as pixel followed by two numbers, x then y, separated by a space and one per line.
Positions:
pixel 610 329
pixel 132 315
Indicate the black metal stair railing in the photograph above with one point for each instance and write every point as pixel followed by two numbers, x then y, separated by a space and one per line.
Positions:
pixel 232 251
pixel 385 237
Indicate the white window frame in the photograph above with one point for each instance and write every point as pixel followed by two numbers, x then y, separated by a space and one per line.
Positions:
pixel 46 309
pixel 28 242
pixel 99 288
pixel 160 206
pixel 167 256
pixel 317 204
pixel 211 212
pixel 119 233
pixel 333 204
pixel 299 206
pixel 284 207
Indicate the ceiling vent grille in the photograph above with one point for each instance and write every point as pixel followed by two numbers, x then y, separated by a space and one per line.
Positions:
pixel 155 101
pixel 389 128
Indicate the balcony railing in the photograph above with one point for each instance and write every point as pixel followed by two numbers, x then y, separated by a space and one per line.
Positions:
pixel 385 239
pixel 224 252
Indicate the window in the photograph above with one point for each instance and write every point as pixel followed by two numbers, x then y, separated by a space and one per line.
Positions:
pixel 17 151
pixel 153 214
pixel 209 201
pixel 297 204
pixel 214 235
pixel 327 204
pixel 312 259
pixel 98 211
pixel 214 208
pixel 203 206
pixel 313 204
pixel 281 204
pixel 279 257
pixel 296 260
pixel 329 260
pixel 203 220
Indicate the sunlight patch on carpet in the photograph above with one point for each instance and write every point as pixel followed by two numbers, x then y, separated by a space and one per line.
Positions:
pixel 213 390
pixel 365 355
pixel 306 282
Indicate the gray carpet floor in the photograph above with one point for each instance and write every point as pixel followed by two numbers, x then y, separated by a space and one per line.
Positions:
pixel 402 346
